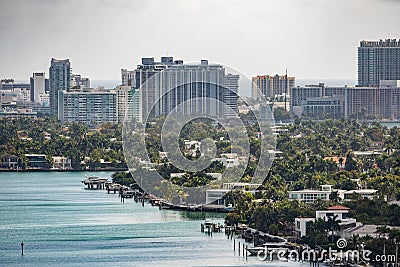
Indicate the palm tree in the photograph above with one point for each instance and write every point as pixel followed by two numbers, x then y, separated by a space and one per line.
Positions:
pixel 332 224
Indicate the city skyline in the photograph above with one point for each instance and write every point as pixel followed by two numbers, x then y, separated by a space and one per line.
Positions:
pixel 315 43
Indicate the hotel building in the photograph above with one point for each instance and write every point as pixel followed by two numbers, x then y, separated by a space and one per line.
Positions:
pixel 378 60
pixel 88 106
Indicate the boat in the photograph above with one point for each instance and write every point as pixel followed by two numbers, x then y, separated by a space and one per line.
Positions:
pixel 210 226
pixel 208 223
pixel 93 180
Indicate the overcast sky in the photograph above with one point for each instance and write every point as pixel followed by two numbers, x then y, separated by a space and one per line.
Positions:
pixel 314 39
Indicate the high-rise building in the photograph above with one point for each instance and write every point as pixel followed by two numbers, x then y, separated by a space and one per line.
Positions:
pixel 15 92
pixel 361 102
pixel 301 93
pixel 271 85
pixel 378 60
pixel 88 106
pixel 127 77
pixel 231 83
pixel 59 80
pixel 374 102
pixel 185 88
pixel 318 101
pixel 39 86
pixel 77 81
pixel 128 103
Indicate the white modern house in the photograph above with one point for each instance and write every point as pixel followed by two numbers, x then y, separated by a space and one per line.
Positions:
pixel 301 224
pixel 337 212
pixel 61 163
pixel 363 193
pixel 311 195
pixel 215 195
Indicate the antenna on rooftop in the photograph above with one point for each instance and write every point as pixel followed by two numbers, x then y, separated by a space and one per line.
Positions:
pixel 287 85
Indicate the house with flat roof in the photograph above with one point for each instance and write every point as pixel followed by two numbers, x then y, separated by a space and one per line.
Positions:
pixel 61 163
pixel 215 196
pixel 9 161
pixel 338 212
pixel 311 195
pixel 363 193
pixel 362 230
pixel 37 161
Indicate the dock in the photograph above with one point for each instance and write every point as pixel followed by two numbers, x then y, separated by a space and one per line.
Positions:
pixel 95 182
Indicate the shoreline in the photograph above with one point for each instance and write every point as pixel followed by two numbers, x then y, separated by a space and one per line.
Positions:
pixel 45 170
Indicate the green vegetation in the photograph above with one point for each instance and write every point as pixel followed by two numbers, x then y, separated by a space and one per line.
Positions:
pixel 85 147
pixel 309 150
pixel 303 164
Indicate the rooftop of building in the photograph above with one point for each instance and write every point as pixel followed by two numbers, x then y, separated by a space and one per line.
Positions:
pixel 381 43
pixel 9 156
pixel 54 60
pixel 338 207
pixel 324 189
pixel 361 191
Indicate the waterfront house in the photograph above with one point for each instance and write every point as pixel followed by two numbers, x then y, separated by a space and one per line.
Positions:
pixel 301 225
pixel 37 161
pixel 215 196
pixel 9 161
pixel 61 163
pixel 363 230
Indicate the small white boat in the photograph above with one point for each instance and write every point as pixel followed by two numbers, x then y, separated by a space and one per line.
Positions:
pixel 94 179
pixel 208 223
pixel 95 182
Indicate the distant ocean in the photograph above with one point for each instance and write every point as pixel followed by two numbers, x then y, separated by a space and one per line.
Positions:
pixel 105 83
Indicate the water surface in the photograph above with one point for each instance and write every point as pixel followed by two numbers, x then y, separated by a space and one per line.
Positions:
pixel 63 224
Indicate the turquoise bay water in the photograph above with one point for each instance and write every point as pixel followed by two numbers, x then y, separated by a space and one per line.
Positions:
pixel 63 224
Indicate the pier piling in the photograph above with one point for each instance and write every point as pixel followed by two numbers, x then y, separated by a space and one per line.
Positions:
pixel 22 248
